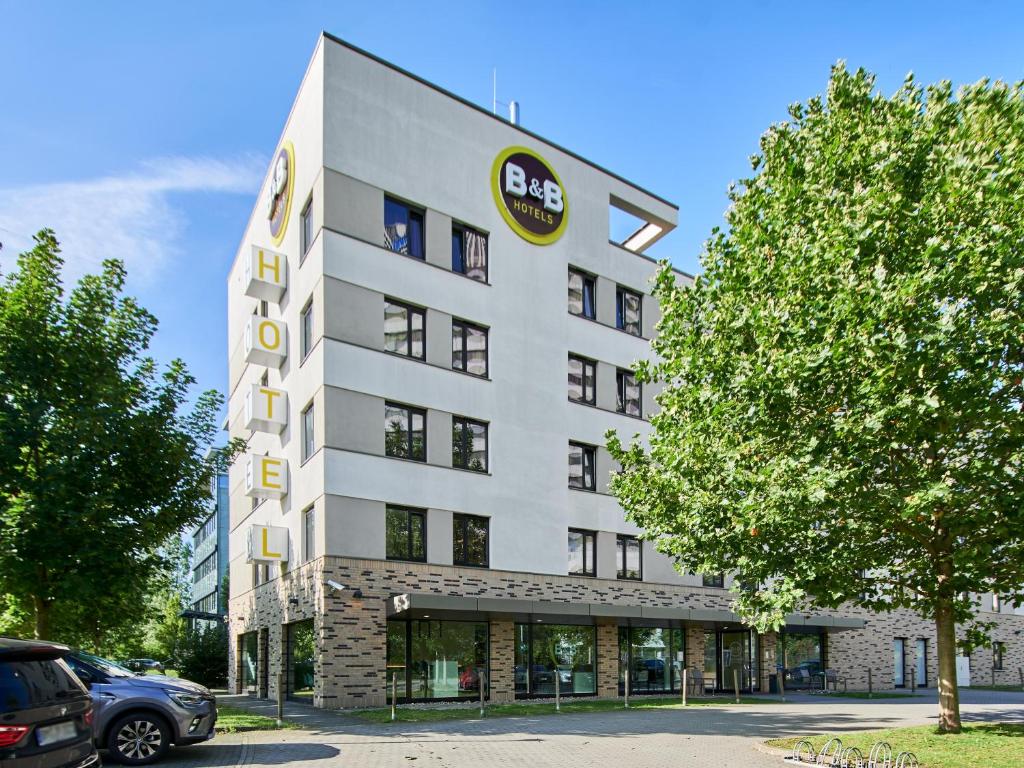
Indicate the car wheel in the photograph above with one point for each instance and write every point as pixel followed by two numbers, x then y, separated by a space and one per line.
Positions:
pixel 139 739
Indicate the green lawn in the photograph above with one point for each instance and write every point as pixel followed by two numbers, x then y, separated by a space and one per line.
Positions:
pixel 235 719
pixel 995 745
pixel 532 709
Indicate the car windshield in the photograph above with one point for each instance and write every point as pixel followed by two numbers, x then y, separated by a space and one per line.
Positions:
pixel 106 667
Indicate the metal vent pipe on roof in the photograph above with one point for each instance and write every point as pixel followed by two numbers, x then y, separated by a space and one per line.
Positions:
pixel 513 112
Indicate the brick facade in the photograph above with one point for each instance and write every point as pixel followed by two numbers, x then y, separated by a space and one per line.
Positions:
pixel 352 633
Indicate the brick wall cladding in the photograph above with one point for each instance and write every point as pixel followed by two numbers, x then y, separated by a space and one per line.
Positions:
pixel 502 662
pixel 352 634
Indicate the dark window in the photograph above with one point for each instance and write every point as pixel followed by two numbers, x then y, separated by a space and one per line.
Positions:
pixel 627 557
pixel 627 393
pixel 307 226
pixel 309 542
pixel 403 229
pixel 308 445
pixel 404 329
pixel 998 649
pixel 28 684
pixel 469 348
pixel 264 308
pixel 469 252
pixel 627 310
pixel 469 444
pixel 405 432
pixel 581 467
pixel 406 534
pixel 714 580
pixel 582 553
pixel 581 294
pixel 582 380
pixel 469 540
pixel 306 327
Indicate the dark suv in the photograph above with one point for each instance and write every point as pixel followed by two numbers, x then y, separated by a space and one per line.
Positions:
pixel 45 712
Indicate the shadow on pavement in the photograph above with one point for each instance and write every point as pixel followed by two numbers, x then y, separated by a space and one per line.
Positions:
pixel 279 753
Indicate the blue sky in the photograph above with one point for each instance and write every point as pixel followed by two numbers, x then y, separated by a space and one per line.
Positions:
pixel 141 130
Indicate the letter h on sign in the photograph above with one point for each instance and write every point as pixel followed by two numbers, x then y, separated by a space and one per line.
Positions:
pixel 266 275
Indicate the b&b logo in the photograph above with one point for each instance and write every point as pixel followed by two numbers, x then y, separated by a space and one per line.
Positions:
pixel 529 195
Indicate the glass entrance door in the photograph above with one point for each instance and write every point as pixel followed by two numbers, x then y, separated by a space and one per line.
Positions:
pixel 735 664
pixel 922 663
pixel 899 655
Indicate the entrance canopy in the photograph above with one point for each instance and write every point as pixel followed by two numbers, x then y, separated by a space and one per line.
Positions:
pixel 417 605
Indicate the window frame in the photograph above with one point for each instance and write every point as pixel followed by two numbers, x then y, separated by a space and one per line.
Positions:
pixel 308 444
pixel 410 310
pixel 589 565
pixel 461 230
pixel 713 580
pixel 585 361
pixel 466 325
pixel 461 521
pixel 410 513
pixel 590 450
pixel 466 443
pixel 308 541
pixel 586 278
pixel 306 330
pixel 410 411
pixel 410 211
pixel 620 393
pixel 620 310
pixel 306 228
pixel 622 556
pixel 998 654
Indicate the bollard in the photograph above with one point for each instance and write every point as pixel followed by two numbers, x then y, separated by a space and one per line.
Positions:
pixel 280 699
pixel 736 684
pixel 394 693
pixel 480 677
pixel 782 685
pixel 683 686
pixel 626 688
pixel 870 687
pixel 558 690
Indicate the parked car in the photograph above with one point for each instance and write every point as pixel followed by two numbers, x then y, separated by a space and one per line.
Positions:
pixel 139 716
pixel 145 665
pixel 46 713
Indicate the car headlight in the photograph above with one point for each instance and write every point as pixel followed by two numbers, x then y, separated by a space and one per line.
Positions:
pixel 187 699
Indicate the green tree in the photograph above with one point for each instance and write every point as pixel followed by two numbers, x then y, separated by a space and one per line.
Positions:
pixel 204 655
pixel 842 421
pixel 100 462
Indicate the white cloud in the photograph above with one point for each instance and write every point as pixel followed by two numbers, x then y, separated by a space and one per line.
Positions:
pixel 129 217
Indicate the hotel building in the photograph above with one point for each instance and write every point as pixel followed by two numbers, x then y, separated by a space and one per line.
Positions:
pixel 430 332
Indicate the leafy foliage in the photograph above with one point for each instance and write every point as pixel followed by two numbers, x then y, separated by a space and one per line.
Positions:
pixel 99 462
pixel 203 655
pixel 842 420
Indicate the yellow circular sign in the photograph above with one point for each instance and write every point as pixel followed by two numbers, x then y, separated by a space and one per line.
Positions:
pixel 529 195
pixel 279 193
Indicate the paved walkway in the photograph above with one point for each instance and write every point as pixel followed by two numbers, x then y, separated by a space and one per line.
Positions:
pixel 704 736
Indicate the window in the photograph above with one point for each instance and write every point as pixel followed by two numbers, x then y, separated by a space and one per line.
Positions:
pixel 627 310
pixel 469 348
pixel 627 557
pixel 403 229
pixel 308 444
pixel 714 580
pixel 405 434
pixel 264 308
pixel 260 573
pixel 406 534
pixel 469 252
pixel 307 226
pixel 627 393
pixel 998 649
pixel 582 380
pixel 469 444
pixel 205 568
pixel 995 603
pixel 309 535
pixel 582 553
pixel 581 294
pixel 429 659
pixel 581 467
pixel 469 540
pixel 306 328
pixel 547 655
pixel 404 329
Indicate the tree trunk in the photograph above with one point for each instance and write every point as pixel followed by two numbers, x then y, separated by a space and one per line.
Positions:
pixel 42 617
pixel 949 695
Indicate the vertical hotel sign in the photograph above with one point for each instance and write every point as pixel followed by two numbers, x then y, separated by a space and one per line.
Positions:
pixel 529 195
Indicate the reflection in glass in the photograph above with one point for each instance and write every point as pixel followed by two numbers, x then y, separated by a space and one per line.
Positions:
pixel 404 432
pixel 581 294
pixel 403 329
pixel 469 444
pixel 301 656
pixel 627 393
pixel 406 534
pixel 627 557
pixel 582 553
pixel 445 658
pixel 249 651
pixel 652 656
pixel 581 466
pixel 469 540
pixel 710 656
pixel 798 656
pixel 544 651
pixel 403 229
pixel 469 253
pixel 469 348
pixel 627 311
pixel 582 375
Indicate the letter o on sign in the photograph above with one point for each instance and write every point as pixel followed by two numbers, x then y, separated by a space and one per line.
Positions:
pixel 529 195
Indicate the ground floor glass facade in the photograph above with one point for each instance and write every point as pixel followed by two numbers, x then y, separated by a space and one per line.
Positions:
pixel 301 650
pixel 800 657
pixel 651 654
pixel 547 655
pixel 436 659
